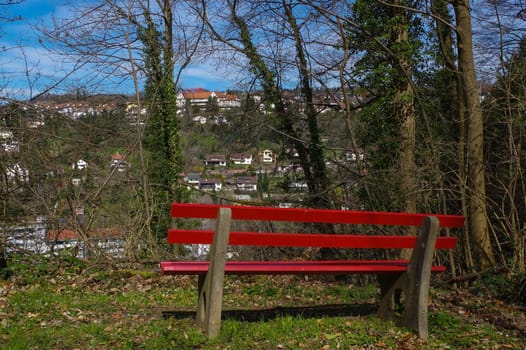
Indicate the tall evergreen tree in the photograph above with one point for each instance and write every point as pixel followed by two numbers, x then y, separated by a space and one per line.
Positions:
pixel 388 44
pixel 161 136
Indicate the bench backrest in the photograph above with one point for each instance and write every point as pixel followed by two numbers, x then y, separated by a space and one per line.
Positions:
pixel 209 211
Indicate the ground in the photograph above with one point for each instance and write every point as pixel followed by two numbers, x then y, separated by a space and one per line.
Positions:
pixel 136 308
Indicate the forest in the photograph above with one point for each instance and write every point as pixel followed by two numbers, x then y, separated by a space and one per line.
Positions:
pixel 432 93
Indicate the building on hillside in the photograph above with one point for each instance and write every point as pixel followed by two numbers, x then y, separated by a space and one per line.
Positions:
pixel 79 165
pixel 241 158
pixel 215 160
pixel 110 241
pixel 210 185
pixel 199 119
pixel 36 238
pixel 353 156
pixel 8 143
pixel 267 156
pixel 119 161
pixel 17 173
pixel 247 183
pixel 193 179
pixel 200 98
pixel 6 134
pixel 28 237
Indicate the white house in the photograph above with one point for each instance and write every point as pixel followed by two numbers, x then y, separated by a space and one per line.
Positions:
pixel 215 160
pixel 200 98
pixel 193 179
pixel 267 156
pixel 298 185
pixel 17 173
pixel 6 134
pixel 9 145
pixel 7 142
pixel 119 161
pixel 80 165
pixel 352 156
pixel 210 185
pixel 241 158
pixel 247 183
pixel 199 119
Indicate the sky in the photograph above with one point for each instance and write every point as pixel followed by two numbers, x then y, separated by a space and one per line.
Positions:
pixel 27 68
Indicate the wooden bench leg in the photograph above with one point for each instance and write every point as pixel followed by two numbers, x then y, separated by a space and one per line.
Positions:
pixel 210 286
pixel 404 297
pixel 200 316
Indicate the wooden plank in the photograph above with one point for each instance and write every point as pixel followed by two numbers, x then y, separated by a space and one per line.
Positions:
pixel 208 211
pixel 176 236
pixel 211 297
pixel 292 267
pixel 419 278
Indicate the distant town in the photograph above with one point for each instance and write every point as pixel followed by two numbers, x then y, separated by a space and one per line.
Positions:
pixel 245 173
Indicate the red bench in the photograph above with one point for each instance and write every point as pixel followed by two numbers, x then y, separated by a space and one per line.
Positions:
pixel 404 284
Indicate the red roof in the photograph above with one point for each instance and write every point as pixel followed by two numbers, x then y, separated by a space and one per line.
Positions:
pixel 117 156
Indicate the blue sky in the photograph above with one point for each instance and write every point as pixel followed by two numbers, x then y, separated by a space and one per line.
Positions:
pixel 26 68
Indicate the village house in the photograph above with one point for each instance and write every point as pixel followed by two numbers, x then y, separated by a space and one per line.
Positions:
pixel 210 185
pixel 352 156
pixel 6 134
pixel 8 143
pixel 17 173
pixel 79 165
pixel 267 156
pixel 200 98
pixel 119 161
pixel 241 158
pixel 298 185
pixel 199 119
pixel 247 183
pixel 215 160
pixel 133 109
pixel 193 179
pixel 111 241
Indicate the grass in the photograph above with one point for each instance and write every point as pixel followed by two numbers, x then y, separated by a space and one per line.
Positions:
pixel 123 310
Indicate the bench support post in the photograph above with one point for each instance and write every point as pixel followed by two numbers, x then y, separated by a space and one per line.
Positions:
pixel 210 285
pixel 404 297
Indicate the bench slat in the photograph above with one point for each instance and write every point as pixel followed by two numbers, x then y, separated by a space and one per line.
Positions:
pixel 209 211
pixel 291 267
pixel 181 236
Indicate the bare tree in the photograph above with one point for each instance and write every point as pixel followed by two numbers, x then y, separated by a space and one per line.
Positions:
pixel 106 39
pixel 247 30
pixel 478 219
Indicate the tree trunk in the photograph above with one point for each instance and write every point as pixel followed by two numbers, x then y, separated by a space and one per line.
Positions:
pixel 3 262
pixel 445 39
pixel 405 110
pixel 478 223
pixel 405 113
